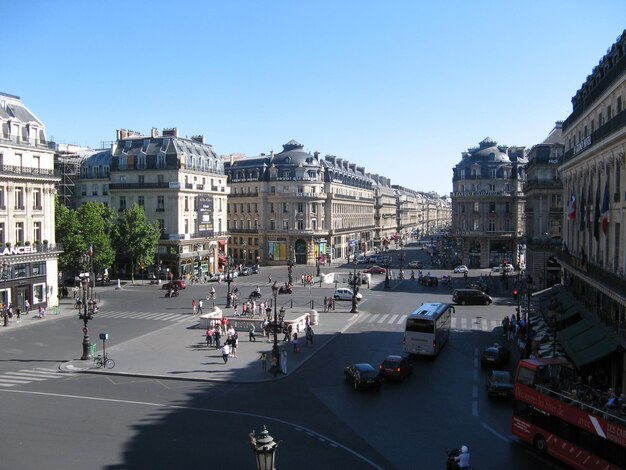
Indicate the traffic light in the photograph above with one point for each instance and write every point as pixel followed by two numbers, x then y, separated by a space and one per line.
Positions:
pixel 515 294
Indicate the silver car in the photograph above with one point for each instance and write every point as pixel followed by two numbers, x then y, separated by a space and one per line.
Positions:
pixel 344 293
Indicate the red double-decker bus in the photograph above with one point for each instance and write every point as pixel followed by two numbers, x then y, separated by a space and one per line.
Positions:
pixel 550 414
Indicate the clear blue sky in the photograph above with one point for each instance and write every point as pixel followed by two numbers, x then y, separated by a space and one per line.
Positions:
pixel 400 87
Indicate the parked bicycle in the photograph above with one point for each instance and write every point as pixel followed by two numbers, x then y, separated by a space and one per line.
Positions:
pixel 104 362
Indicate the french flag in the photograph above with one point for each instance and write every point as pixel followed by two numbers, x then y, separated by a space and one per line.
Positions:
pixel 605 209
pixel 571 208
pixel 91 249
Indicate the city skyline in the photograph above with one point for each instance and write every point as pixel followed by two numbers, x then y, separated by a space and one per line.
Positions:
pixel 411 84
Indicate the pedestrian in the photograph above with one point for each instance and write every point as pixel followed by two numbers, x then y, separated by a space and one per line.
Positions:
pixel 303 278
pixel 27 306
pixel 200 307
pixel 209 337
pixel 225 352
pixel 264 362
pixel 286 330
pixel 193 306
pixel 217 334
pixel 41 312
pixel 309 336
pixel 234 344
pixel 212 293
pixel 325 303
pixel 17 313
pixel 296 348
pixel 283 361
pixel 251 332
pixel 269 278
pixel 505 325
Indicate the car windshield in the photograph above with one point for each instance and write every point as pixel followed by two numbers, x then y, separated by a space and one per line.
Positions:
pixel 418 325
pixel 368 374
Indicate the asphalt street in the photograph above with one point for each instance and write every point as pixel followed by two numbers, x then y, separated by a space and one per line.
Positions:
pixel 169 400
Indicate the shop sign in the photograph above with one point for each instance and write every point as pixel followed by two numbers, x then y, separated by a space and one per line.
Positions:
pixel 19 250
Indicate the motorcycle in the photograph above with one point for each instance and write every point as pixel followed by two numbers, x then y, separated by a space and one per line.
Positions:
pixel 285 290
pixel 451 463
pixel 172 293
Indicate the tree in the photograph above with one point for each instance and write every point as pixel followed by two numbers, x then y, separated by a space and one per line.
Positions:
pixel 137 238
pixel 77 230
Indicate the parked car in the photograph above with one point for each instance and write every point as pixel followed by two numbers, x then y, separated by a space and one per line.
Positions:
pixel 362 376
pixel 343 293
pixel 215 277
pixel 496 269
pixel 495 356
pixel 395 367
pixel 481 286
pixel 245 271
pixel 508 268
pixel 374 259
pixel 429 280
pixel 461 269
pixel 375 270
pixel 471 297
pixel 416 265
pixel 499 384
pixel 361 259
pixel 178 284
pixel 387 260
pixel 256 269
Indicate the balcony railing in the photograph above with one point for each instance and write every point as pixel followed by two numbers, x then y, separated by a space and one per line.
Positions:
pixel 17 140
pixel 608 279
pixel 256 194
pixel 27 171
pixel 612 125
pixel 163 185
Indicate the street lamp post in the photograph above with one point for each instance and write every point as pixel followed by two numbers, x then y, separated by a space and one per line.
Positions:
pixel 264 447
pixel 355 286
pixel 86 314
pixel 317 257
pixel 228 281
pixel 275 351
pixel 6 269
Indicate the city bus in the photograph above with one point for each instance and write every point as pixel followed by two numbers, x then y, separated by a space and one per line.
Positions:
pixel 555 413
pixel 427 328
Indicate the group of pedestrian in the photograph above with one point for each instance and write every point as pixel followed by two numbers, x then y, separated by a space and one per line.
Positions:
pixel 514 330
pixel 329 304
pixel 213 338
pixel 196 307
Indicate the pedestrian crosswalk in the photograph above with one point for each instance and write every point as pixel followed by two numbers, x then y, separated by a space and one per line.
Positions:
pixel 26 376
pixel 158 316
pixel 477 324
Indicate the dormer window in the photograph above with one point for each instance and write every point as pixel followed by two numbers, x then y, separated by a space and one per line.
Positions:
pixel 144 145
pixel 123 162
pixel 127 145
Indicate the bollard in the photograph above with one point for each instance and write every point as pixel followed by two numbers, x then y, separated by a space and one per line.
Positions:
pixel 6 319
pixel 291 303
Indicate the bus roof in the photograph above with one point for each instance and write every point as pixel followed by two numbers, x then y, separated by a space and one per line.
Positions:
pixel 539 362
pixel 430 309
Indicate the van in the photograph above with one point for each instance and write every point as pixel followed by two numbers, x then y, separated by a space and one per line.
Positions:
pixel 471 297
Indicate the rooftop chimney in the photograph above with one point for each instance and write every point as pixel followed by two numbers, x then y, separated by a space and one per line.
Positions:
pixel 155 132
pixel 198 138
pixel 171 132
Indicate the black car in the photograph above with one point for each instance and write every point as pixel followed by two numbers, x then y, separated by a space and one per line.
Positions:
pixel 471 297
pixel 495 356
pixel 362 376
pixel 395 367
pixel 245 272
pixel 499 384
pixel 429 281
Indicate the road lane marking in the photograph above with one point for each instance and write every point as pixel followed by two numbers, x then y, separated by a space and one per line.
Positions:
pixel 495 433
pixel 383 318
pixel 393 318
pixel 204 410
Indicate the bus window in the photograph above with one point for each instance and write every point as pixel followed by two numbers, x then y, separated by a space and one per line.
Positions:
pixel 525 376
pixel 420 326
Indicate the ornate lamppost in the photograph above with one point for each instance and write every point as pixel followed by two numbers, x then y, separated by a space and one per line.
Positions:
pixel 355 286
pixel 87 312
pixel 6 271
pixel 275 351
pixel 229 279
pixel 264 447
pixel 317 257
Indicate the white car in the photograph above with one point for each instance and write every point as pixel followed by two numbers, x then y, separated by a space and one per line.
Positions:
pixel 461 269
pixel 346 294
pixel 496 269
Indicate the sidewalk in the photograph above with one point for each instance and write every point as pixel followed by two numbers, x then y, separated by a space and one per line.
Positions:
pixel 179 351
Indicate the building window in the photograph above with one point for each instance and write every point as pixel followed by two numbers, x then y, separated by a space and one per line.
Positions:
pixel 19 198
pixel 285 207
pixel 272 224
pixel 313 208
pixel 186 226
pixel 314 224
pixel 161 225
pixel 19 232
pixel 300 189
pixel 492 173
pixel 141 201
pixel 160 163
pixel 492 225
pixel 273 189
pixel 37 199
pixel 186 206
pixel 141 179
pixel 122 207
pixel 271 207
pixel 492 207
pixel 3 204
pixel 2 233
pixel 301 207
pixel 105 189
pixel 300 224
pixel 94 189
pixel 476 206
pixel 285 224
pixel 160 203
pixel 619 104
pixel 608 112
pixel 36 232
pixel 141 162
pixel 507 208
pixel 123 163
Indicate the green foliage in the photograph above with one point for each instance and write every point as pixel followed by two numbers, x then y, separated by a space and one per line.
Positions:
pixel 93 224
pixel 137 237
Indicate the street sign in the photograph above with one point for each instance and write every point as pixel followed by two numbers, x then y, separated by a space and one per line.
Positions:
pixel 85 330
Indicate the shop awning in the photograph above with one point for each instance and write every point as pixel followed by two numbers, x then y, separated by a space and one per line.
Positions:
pixel 586 342
pixel 222 242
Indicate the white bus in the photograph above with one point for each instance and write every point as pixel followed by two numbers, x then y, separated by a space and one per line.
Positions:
pixel 427 329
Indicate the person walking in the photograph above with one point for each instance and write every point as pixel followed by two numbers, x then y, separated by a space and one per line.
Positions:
pixel 269 278
pixel 193 306
pixel 209 337
pixel 309 336
pixel 251 332
pixel 26 307
pixel 212 293
pixel 217 334
pixel 200 307
pixel 234 344
pixel 225 352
